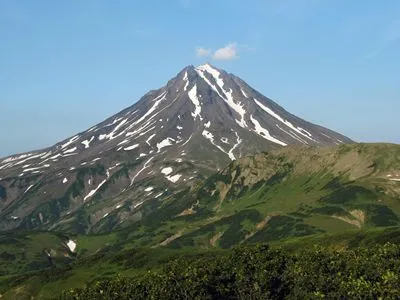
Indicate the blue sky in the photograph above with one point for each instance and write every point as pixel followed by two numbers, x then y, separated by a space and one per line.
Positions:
pixel 66 65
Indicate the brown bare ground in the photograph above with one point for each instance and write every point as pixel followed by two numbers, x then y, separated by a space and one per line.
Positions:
pixel 171 238
pixel 215 238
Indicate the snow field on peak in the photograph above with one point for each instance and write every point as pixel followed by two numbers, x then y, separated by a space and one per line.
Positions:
pixel 228 95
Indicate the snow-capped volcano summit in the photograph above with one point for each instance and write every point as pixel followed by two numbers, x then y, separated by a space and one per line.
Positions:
pixel 198 122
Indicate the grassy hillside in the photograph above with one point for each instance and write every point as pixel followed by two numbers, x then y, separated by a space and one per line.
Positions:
pixel 87 268
pixel 294 197
pixel 294 191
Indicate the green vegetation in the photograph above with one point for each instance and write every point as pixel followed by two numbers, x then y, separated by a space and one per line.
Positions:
pixel 342 199
pixel 261 272
pixel 102 258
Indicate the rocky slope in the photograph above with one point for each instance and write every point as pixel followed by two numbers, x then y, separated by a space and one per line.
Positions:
pixel 167 141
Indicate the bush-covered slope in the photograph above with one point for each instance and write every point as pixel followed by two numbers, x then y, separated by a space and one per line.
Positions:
pixel 259 272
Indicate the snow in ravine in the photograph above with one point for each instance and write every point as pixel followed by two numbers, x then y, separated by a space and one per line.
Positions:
pixel 264 132
pixel 70 150
pixel 29 187
pixel 287 123
pixel 193 97
pixel 209 136
pixel 185 78
pixel 70 141
pixel 145 166
pixel 131 147
pixel 228 95
pixel 238 141
pixel 92 192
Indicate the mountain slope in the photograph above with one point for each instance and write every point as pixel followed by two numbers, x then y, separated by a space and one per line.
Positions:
pixel 293 191
pixel 171 138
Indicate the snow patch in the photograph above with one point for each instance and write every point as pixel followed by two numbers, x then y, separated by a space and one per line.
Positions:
pixel 92 192
pixel 152 109
pixel 193 97
pixel 167 171
pixel 35 169
pixel 149 139
pixel 185 78
pixel 70 150
pixel 287 123
pixel 238 141
pixel 71 245
pixel 29 187
pixel 238 107
pixel 131 147
pixel 65 180
pixel 86 143
pixel 264 132
pixel 165 143
pixel 138 204
pixel 141 170
pixel 208 124
pixel 209 136
pixel 70 141
pixel 174 178
pixel 149 189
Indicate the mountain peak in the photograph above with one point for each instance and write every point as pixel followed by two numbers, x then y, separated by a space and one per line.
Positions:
pixel 171 137
pixel 207 67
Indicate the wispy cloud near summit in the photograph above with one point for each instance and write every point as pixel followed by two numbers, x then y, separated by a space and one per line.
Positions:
pixel 229 52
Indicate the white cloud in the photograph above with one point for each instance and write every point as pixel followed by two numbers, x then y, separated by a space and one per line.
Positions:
pixel 228 52
pixel 202 52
